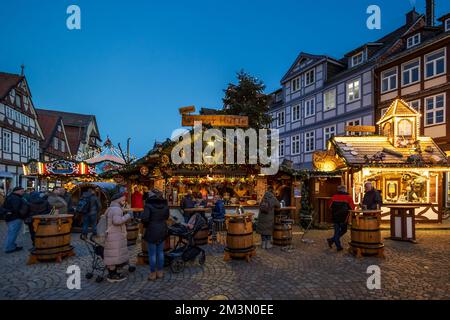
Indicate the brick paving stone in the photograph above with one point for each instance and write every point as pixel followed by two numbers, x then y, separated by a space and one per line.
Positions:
pixel 312 271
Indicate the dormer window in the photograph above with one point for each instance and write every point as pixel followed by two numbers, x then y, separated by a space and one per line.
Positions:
pixel 309 77
pixel 357 59
pixel 413 41
pixel 295 84
pixel 447 24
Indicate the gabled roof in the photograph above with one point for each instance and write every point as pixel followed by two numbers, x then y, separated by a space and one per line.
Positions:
pixel 315 60
pixel 7 82
pixel 356 149
pixel 397 108
pixel 48 125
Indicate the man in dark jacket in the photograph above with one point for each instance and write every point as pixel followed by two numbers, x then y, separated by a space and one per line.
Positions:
pixel 38 206
pixel 15 212
pixel 187 202
pixel 372 198
pixel 90 217
pixel 154 218
pixel 340 205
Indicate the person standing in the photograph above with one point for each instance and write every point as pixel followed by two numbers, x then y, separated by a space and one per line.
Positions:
pixel 90 207
pixel 67 196
pixel 57 202
pixel 38 206
pixel 372 198
pixel 137 199
pixel 116 249
pixel 16 210
pixel 266 215
pixel 187 202
pixel 154 218
pixel 340 204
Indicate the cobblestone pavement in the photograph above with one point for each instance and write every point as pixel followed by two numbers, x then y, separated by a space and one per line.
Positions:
pixel 311 271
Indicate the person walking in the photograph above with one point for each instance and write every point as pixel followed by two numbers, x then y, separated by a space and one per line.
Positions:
pixel 16 210
pixel 57 202
pixel 116 250
pixel 266 215
pixel 372 198
pixel 89 207
pixel 340 204
pixel 154 218
pixel 38 206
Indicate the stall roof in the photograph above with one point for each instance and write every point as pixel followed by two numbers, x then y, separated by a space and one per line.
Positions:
pixel 358 150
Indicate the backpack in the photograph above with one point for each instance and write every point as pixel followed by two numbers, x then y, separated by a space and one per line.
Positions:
pixel 84 205
pixel 102 229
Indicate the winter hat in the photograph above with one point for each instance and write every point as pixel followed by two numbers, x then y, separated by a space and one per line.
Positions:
pixel 117 196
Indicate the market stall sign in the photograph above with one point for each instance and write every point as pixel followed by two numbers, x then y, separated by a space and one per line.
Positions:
pixel 106 166
pixel 370 129
pixel 216 120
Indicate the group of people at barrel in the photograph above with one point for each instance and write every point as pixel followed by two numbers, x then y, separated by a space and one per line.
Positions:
pixel 341 203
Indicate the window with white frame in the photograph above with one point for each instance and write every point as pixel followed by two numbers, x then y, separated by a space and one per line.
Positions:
pixel 310 141
pixel 435 63
pixel 281 148
pixel 34 150
pixel 415 105
pixel 357 59
pixel 295 110
pixel 353 123
pixel 7 141
pixel 309 77
pixel 55 143
pixel 310 108
pixel 329 98
pixel 9 113
pixel 413 40
pixel 17 116
pixel 447 25
pixel 435 110
pixel 328 133
pixel 295 84
pixel 280 118
pixel 389 80
pixel 353 91
pixel 23 146
pixel 295 145
pixel 411 72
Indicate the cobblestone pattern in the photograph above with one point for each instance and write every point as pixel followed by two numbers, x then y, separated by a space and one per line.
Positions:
pixel 311 271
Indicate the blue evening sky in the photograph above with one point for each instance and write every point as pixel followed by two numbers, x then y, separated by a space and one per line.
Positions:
pixel 134 63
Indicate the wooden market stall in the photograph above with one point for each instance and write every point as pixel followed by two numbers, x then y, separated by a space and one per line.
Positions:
pixel 407 169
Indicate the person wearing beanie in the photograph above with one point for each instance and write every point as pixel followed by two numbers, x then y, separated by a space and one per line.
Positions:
pixel 14 207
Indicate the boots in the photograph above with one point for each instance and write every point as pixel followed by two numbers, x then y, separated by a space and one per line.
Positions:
pixel 152 276
pixel 263 244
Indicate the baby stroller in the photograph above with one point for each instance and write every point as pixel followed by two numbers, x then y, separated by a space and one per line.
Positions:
pixel 98 268
pixel 185 249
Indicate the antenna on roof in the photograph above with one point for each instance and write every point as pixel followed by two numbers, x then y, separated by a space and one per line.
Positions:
pixel 22 67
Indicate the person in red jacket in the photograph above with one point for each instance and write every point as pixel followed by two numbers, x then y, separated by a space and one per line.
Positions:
pixel 340 204
pixel 137 199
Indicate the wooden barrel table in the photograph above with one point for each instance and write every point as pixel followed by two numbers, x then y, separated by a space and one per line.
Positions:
pixel 239 237
pixel 52 238
pixel 201 237
pixel 366 233
pixel 132 232
pixel 282 231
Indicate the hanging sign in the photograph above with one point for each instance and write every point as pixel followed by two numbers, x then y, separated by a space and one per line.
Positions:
pixel 215 121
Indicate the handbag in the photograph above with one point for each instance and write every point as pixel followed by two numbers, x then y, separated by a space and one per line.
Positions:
pixel 102 229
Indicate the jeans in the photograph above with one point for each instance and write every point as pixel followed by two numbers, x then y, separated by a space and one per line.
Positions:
pixel 266 238
pixel 14 228
pixel 339 230
pixel 156 256
pixel 89 219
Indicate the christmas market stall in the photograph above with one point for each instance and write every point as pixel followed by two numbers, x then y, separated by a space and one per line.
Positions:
pixel 408 169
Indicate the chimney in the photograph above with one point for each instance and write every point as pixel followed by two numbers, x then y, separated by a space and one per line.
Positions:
pixel 411 17
pixel 430 13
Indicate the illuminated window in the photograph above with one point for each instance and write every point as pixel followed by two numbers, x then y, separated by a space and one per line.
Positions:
pixel 405 128
pixel 353 91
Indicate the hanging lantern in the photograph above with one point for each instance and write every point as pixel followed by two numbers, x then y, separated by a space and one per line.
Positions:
pixel 144 170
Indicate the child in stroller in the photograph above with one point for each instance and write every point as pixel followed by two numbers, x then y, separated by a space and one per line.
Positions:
pixel 185 248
